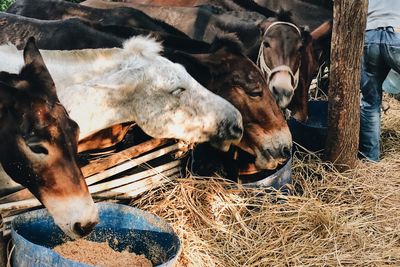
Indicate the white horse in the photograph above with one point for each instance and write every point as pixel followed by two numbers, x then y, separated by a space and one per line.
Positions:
pixel 103 87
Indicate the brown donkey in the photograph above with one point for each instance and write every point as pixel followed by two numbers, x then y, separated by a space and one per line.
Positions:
pixel 38 145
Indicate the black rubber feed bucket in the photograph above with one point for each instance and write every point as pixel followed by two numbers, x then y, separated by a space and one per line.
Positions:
pixel 207 161
pixel 311 134
pixel 277 179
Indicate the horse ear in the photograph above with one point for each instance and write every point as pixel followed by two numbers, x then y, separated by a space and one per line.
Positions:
pixel 306 35
pixel 196 68
pixel 35 68
pixel 228 41
pixel 31 52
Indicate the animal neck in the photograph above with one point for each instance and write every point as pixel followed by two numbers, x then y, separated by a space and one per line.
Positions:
pixel 67 67
pixel 75 67
pixel 87 82
pixel 101 103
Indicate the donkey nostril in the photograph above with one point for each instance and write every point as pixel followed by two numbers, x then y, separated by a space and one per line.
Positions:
pixel 275 90
pixel 83 230
pixel 236 131
pixel 286 152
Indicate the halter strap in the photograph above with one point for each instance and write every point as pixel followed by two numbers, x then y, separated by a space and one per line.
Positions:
pixel 263 65
pixel 282 23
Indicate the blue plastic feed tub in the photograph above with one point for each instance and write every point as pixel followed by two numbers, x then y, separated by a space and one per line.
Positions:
pixel 312 133
pixel 34 234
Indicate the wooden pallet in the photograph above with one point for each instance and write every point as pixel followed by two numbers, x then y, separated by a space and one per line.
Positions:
pixel 117 176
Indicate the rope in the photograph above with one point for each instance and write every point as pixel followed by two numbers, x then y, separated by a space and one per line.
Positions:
pixel 263 65
pixel 9 253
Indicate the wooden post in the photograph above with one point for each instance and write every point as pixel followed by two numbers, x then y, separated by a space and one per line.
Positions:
pixel 349 20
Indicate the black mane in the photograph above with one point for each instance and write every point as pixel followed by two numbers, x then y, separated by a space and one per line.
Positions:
pixel 253 6
pixel 284 15
pixel 229 41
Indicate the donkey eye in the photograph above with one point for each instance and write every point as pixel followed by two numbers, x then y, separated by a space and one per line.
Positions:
pixel 255 93
pixel 178 91
pixel 38 149
pixel 266 44
pixel 33 142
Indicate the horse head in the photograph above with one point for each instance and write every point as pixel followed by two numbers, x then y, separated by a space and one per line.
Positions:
pixel 38 143
pixel 228 73
pixel 279 56
pixel 169 103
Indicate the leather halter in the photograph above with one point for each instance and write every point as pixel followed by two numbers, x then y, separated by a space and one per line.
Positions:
pixel 263 65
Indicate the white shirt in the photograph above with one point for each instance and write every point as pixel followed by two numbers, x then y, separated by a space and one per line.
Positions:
pixel 383 13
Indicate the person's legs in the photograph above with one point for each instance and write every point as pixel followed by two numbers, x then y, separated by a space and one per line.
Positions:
pixel 373 73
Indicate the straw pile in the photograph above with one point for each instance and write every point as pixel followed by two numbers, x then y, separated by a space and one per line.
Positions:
pixel 332 219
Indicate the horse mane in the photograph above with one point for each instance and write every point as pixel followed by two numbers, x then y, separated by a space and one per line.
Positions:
pixel 229 41
pixel 255 7
pixel 146 46
pixel 284 15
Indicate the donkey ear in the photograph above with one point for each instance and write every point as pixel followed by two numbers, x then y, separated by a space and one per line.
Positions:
pixel 306 35
pixel 31 53
pixel 35 69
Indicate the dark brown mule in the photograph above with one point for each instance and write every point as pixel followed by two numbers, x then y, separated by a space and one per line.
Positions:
pixel 38 143
pixel 66 34
pixel 58 9
pixel 230 74
pixel 217 5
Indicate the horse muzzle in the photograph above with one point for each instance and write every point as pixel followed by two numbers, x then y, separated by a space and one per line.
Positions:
pixel 76 216
pixel 282 89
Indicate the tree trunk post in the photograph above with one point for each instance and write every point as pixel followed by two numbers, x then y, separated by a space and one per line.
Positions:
pixel 349 20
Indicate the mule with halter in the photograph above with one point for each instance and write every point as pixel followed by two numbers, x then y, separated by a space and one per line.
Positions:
pixel 38 145
pixel 279 56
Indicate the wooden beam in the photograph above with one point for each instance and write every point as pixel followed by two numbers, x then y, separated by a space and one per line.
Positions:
pixel 132 163
pixel 116 183
pixel 105 163
pixel 112 160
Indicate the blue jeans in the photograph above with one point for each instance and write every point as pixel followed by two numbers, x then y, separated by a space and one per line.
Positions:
pixel 381 53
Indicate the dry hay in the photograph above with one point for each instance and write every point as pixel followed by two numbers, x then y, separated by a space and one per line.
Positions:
pixel 332 219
